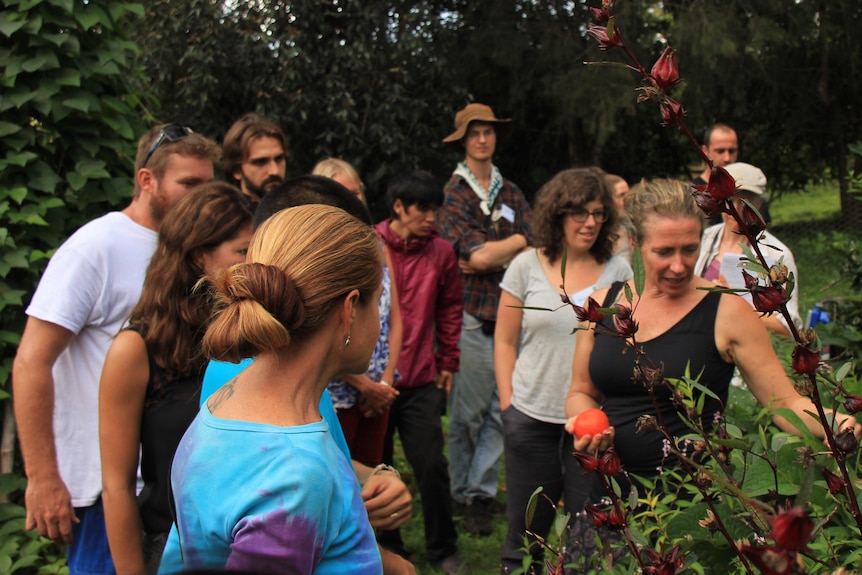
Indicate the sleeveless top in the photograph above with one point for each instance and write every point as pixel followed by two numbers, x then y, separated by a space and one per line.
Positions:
pixel 691 341
pixel 171 404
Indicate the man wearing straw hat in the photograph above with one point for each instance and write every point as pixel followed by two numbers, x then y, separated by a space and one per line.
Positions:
pixel 487 219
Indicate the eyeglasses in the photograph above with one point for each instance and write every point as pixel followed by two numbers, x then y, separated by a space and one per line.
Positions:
pixel 601 216
pixel 171 133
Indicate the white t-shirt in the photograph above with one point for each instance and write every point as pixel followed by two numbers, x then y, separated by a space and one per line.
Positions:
pixel 89 287
pixel 543 370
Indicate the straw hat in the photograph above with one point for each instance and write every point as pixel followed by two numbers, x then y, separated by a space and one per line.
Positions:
pixel 477 113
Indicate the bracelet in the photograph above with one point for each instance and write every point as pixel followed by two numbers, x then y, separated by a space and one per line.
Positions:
pixel 386 383
pixel 384 467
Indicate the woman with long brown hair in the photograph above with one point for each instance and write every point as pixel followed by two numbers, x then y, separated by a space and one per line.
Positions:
pixel 152 375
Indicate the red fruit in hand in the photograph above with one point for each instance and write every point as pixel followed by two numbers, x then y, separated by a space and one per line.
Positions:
pixel 591 421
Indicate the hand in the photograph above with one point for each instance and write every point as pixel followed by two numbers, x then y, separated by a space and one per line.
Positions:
pixel 591 443
pixel 49 509
pixel 394 564
pixel 376 398
pixel 387 501
pixel 443 379
pixel 466 268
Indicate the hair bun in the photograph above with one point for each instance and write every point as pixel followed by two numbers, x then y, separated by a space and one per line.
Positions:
pixel 274 290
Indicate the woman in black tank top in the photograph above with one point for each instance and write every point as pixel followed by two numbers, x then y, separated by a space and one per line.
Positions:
pixel 679 327
pixel 150 387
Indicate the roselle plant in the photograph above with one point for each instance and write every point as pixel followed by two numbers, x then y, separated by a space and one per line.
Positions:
pixel 743 498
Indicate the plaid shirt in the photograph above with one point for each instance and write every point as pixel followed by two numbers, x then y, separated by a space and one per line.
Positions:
pixel 462 222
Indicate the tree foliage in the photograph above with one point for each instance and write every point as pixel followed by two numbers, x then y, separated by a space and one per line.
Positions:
pixel 67 132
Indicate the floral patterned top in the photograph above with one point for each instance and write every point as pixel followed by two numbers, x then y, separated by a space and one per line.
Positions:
pixel 344 395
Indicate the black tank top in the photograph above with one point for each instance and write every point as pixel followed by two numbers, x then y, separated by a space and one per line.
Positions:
pixel 691 341
pixel 171 403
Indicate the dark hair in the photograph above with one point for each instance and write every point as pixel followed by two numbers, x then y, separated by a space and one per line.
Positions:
pixel 171 314
pixel 707 134
pixel 418 187
pixel 306 190
pixel 193 144
pixel 567 192
pixel 236 142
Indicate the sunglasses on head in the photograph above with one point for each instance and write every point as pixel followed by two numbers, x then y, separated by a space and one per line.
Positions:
pixel 171 133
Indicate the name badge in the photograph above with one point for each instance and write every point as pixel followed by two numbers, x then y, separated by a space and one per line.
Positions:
pixel 508 213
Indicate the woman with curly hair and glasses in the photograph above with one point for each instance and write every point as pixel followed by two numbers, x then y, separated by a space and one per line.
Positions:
pixel 152 375
pixel 573 221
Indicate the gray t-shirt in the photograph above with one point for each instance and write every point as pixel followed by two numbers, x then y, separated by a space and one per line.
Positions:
pixel 543 370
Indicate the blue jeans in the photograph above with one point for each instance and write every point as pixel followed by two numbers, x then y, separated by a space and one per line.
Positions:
pixel 89 553
pixel 475 428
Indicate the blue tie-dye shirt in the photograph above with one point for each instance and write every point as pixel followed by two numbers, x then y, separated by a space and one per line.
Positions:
pixel 267 499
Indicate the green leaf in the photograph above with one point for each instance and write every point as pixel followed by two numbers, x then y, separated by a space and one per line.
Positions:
pixel 10 23
pixel 42 60
pixel 7 128
pixel 638 269
pixel 531 506
pixel 68 77
pixel 18 194
pixel 92 169
pixel 42 177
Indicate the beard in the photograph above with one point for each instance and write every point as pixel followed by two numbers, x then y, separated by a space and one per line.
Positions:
pixel 265 186
pixel 159 208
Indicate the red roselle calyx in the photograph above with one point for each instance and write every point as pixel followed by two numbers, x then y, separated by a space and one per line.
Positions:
pixel 599 517
pixel 804 360
pixel 672 112
pixel 587 462
pixel 791 529
pixel 852 403
pixel 591 313
pixel 609 463
pixel 665 71
pixel 709 205
pixel 833 482
pixel 626 326
pixel 616 518
pixel 750 221
pixel 845 441
pixel 721 185
pixel 600 33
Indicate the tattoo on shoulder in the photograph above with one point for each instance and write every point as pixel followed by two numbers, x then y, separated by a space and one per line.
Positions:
pixel 223 393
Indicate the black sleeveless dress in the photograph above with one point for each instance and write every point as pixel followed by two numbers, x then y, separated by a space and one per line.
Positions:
pixel 690 342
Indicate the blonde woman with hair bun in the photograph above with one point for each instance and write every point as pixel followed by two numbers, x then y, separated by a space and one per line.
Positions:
pixel 258 482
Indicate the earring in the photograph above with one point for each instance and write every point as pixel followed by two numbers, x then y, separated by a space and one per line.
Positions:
pixel 346 341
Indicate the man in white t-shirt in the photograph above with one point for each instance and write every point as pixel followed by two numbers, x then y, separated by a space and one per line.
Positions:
pixel 83 299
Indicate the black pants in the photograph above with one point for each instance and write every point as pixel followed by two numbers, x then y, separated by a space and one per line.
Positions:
pixel 538 454
pixel 416 415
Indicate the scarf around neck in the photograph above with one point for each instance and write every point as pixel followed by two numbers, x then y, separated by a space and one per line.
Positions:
pixel 488 196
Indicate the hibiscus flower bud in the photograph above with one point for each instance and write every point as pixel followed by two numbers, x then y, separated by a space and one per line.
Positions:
pixel 721 184
pixel 769 559
pixel 600 33
pixel 750 221
pixel 833 482
pixel 587 462
pixel 778 274
pixel 708 205
pixel 600 15
pixel 591 313
pixel 599 517
pixel 749 279
pixel 626 326
pixel 852 403
pixel 609 464
pixel 671 112
pixel 792 528
pixel 665 71
pixel 804 360
pixel 646 423
pixel 617 518
pixel 845 441
pixel 768 299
